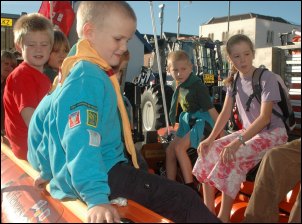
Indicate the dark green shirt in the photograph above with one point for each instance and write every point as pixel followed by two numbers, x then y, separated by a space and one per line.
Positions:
pixel 195 97
pixel 51 73
pixel 192 95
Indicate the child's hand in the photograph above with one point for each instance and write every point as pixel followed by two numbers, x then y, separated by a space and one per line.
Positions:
pixel 103 213
pixel 202 145
pixel 40 183
pixel 228 153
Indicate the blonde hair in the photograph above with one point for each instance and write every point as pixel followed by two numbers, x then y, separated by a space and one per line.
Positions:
pixel 32 22
pixel 230 43
pixel 179 55
pixel 60 39
pixel 96 12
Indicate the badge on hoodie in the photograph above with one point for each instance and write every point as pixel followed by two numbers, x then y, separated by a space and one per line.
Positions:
pixel 74 119
pixel 92 118
pixel 94 138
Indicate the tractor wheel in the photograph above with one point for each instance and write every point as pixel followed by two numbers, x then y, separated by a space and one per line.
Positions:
pixel 153 116
pixel 129 92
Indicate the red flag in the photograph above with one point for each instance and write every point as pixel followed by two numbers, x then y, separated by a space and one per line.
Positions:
pixel 62 14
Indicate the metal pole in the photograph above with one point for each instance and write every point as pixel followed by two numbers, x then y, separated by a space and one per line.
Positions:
pixel 159 68
pixel 50 10
pixel 229 18
pixel 161 17
pixel 178 20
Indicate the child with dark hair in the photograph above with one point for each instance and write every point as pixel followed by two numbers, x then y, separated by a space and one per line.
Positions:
pixel 8 63
pixel 59 52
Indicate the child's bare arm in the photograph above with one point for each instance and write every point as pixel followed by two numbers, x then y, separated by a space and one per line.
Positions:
pixel 214 114
pixel 26 114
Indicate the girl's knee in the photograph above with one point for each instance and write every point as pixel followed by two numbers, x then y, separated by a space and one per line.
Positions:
pixel 170 153
pixel 180 149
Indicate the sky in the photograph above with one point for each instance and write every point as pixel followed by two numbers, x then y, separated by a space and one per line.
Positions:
pixel 192 13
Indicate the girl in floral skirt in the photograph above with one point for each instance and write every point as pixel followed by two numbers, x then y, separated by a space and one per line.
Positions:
pixel 224 163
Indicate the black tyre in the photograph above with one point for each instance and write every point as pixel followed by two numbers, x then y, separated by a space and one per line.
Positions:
pixel 153 116
pixel 129 91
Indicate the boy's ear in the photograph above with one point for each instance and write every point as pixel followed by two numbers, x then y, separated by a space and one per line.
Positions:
pixel 168 69
pixel 87 30
pixel 18 48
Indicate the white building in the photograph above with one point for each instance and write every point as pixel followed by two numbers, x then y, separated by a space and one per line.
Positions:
pixel 263 30
pixel 137 47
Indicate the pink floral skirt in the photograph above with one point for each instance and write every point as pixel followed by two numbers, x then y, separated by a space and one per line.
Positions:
pixel 228 177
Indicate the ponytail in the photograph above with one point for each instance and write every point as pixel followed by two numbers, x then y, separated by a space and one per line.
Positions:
pixel 230 79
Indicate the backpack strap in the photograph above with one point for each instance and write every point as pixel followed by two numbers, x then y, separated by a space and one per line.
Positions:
pixel 286 113
pixel 234 89
pixel 283 98
pixel 234 92
pixel 257 89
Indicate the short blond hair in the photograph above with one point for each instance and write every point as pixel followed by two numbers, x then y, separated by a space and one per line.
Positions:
pixel 32 22
pixel 95 12
pixel 179 55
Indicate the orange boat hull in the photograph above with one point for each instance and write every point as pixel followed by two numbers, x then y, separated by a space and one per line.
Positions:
pixel 21 202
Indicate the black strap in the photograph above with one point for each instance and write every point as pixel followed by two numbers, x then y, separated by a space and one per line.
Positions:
pixel 257 90
pixel 234 92
pixel 256 84
pixel 234 89
pixel 248 102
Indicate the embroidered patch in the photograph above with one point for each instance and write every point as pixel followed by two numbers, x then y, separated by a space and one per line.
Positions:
pixel 94 138
pixel 74 119
pixel 84 104
pixel 92 118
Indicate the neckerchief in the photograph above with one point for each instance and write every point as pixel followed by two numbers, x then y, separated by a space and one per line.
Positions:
pixel 173 109
pixel 84 51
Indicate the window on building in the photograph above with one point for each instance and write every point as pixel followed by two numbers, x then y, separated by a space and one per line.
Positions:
pixel 270 37
pixel 240 31
pixel 211 36
pixel 225 36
